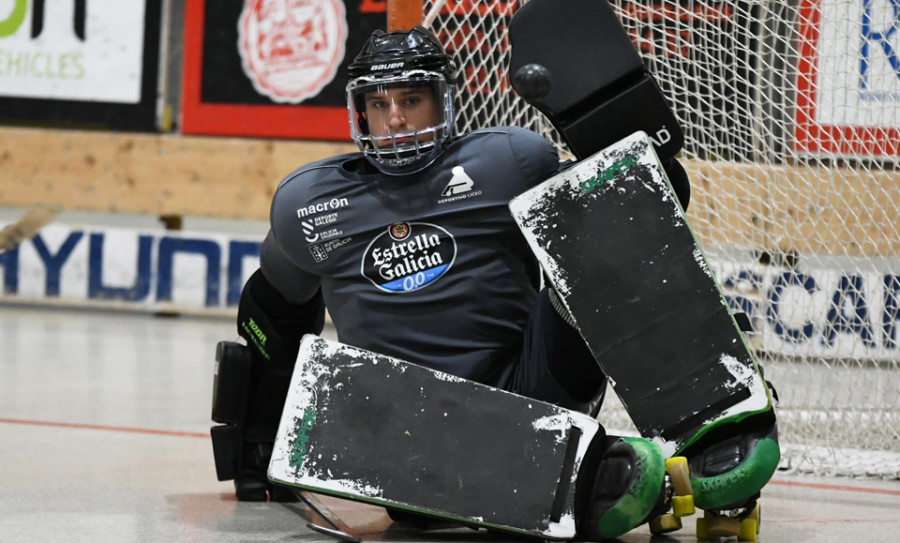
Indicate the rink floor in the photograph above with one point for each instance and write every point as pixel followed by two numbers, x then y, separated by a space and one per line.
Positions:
pixel 104 421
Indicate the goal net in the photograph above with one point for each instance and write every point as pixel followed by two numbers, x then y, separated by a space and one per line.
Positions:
pixel 791 112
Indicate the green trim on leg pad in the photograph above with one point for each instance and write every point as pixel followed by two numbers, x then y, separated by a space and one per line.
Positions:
pixel 642 496
pixel 740 483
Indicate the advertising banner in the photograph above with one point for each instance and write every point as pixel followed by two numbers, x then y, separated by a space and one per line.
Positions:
pixel 824 306
pixel 831 307
pixel 848 100
pixel 130 269
pixel 77 62
pixel 272 68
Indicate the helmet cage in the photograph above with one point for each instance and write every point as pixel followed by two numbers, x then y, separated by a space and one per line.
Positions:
pixel 407 152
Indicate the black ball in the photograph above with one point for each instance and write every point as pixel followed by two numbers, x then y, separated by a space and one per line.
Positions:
pixel 532 81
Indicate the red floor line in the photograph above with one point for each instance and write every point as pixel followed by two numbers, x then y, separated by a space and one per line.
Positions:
pixel 818 486
pixel 105 428
pixel 843 488
pixel 808 521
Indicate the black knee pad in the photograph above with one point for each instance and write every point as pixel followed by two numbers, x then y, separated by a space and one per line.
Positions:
pixel 231 383
pixel 248 396
pixel 231 389
pixel 227 441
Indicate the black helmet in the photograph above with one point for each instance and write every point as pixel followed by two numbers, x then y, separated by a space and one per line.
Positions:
pixel 400 99
pixel 395 52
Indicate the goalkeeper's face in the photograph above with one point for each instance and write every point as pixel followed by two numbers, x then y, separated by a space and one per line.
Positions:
pixel 402 112
pixel 401 121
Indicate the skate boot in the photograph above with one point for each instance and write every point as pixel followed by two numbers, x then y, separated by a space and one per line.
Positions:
pixel 622 484
pixel 251 483
pixel 729 465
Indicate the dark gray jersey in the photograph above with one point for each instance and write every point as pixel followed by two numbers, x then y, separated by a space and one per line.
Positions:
pixel 430 267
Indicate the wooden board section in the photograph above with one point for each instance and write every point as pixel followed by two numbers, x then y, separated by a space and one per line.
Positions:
pixel 148 173
pixel 796 208
pixel 799 208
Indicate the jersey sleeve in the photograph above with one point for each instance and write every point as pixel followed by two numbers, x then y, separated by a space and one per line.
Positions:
pixel 284 253
pixel 295 284
pixel 537 158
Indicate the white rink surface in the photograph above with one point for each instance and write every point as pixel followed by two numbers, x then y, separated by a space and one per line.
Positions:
pixel 104 420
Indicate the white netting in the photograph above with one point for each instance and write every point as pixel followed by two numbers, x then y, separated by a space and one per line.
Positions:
pixel 790 112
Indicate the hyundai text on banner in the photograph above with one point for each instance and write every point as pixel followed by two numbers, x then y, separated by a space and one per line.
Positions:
pixel 130 269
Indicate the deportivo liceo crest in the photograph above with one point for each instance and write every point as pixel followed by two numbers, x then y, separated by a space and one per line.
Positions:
pixel 407 257
pixel 399 231
pixel 291 49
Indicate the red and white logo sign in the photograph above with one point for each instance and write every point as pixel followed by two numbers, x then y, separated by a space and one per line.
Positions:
pixel 848 86
pixel 291 49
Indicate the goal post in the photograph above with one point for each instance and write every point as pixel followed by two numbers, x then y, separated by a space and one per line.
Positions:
pixel 403 14
pixel 791 115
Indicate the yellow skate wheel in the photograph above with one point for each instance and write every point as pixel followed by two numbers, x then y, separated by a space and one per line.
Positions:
pixel 683 506
pixel 714 526
pixel 703 529
pixel 677 468
pixel 664 524
pixel 756 515
pixel 749 530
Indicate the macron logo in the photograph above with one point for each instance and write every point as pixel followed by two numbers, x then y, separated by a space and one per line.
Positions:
pixel 459 183
pixel 390 66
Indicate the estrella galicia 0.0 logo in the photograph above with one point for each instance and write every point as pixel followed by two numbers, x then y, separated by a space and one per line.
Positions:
pixel 408 257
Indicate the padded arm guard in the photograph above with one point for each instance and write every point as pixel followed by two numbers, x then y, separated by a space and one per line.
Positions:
pixel 273 326
pixel 575 63
pixel 679 180
pixel 590 81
